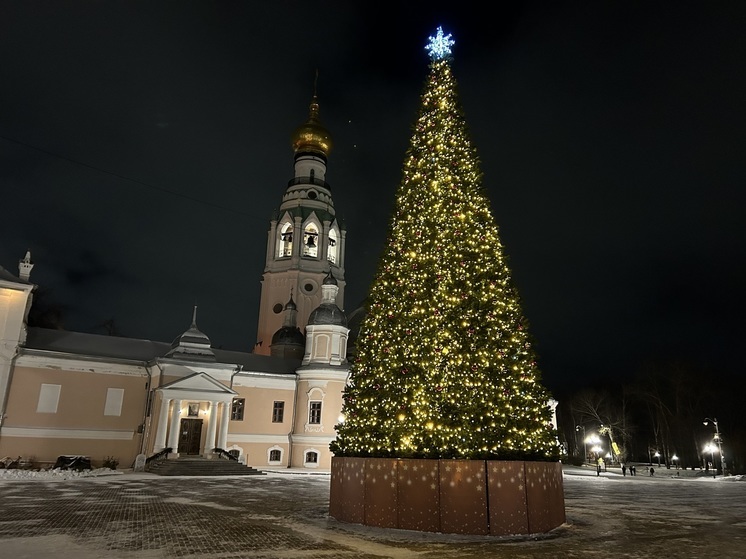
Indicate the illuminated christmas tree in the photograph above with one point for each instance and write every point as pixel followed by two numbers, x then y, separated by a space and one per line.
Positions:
pixel 444 366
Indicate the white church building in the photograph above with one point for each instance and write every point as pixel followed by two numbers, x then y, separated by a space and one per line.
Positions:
pixel 72 393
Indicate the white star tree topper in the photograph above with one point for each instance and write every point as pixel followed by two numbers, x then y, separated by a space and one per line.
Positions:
pixel 439 46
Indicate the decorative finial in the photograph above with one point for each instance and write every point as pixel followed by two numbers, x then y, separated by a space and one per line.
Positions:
pixel 439 47
pixel 24 266
pixel 194 317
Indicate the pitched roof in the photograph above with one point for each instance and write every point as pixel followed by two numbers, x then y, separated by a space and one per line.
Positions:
pixel 5 275
pixel 115 347
pixel 97 345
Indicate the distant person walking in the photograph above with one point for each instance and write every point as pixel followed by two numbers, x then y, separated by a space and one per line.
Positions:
pixel 624 470
pixel 599 466
pixel 652 470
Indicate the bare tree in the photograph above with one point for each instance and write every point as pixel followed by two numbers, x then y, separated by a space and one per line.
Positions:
pixel 597 408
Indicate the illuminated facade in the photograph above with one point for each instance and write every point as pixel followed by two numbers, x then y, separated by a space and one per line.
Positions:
pixel 70 393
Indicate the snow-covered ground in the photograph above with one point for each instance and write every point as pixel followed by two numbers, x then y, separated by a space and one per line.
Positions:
pixel 47 475
pixel 124 515
pixel 661 473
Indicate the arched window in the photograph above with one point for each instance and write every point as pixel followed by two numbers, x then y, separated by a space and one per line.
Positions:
pixel 311 241
pixel 274 455
pixel 286 240
pixel 331 253
pixel 315 403
pixel 312 457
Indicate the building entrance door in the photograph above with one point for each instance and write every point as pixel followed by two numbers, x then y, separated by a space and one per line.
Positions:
pixel 189 438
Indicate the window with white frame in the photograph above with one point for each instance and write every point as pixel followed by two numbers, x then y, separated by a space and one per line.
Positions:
pixel 278 412
pixel 237 409
pixel 312 457
pixel 314 412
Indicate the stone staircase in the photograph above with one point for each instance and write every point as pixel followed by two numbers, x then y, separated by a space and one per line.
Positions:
pixel 199 466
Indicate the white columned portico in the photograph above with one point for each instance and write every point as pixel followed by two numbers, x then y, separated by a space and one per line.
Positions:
pixel 173 435
pixel 211 430
pixel 160 433
pixel 223 439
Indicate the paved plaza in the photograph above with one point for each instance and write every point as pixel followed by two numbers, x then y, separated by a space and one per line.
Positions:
pixel 285 515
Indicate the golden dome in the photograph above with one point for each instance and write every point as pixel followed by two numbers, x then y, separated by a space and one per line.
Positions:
pixel 312 137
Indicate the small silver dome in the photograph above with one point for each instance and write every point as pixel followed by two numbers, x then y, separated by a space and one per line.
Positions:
pixel 328 313
pixel 289 335
pixel 192 344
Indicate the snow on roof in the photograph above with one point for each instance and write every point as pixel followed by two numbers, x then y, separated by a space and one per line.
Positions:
pixel 115 347
pixel 5 275
pixel 97 345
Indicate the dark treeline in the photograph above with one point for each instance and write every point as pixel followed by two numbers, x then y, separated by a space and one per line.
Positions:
pixel 661 410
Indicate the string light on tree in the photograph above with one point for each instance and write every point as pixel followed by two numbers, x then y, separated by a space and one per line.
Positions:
pixel 444 365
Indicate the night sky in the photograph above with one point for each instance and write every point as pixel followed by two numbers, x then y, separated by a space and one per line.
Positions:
pixel 145 145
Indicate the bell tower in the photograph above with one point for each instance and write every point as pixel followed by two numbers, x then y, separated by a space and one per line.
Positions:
pixel 305 241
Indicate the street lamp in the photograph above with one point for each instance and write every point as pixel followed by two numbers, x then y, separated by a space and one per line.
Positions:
pixel 585 444
pixel 658 456
pixel 675 460
pixel 718 441
pixel 597 450
pixel 594 440
pixel 711 449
